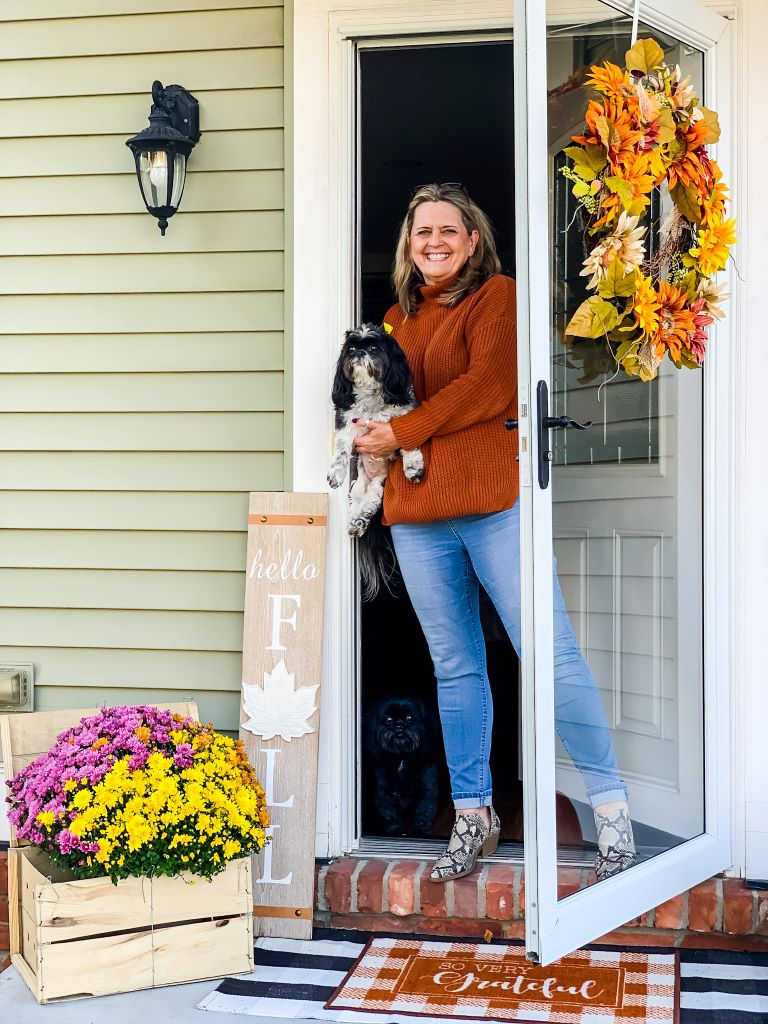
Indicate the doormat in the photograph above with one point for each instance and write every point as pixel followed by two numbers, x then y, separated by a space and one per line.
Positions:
pixel 460 980
pixel 294 978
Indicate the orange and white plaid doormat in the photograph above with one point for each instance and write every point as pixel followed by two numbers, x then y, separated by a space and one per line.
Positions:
pixel 472 980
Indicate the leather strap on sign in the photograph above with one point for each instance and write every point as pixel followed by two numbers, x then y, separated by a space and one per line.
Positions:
pixel 304 913
pixel 280 520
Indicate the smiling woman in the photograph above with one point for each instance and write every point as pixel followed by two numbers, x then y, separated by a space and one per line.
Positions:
pixel 440 243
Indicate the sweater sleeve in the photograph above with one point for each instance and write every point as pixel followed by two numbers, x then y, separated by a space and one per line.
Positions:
pixel 483 391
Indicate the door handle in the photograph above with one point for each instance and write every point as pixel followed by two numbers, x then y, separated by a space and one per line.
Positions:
pixel 545 423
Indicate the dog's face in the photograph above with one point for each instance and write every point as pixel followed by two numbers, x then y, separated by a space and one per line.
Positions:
pixel 398 725
pixel 366 356
pixel 371 360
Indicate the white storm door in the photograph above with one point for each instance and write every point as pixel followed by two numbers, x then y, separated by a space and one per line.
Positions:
pixel 631 507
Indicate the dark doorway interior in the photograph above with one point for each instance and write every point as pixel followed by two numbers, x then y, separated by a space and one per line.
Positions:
pixel 432 113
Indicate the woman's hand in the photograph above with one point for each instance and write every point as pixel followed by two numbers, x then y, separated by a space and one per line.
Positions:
pixel 378 441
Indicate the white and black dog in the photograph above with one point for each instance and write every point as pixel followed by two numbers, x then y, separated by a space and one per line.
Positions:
pixel 372 382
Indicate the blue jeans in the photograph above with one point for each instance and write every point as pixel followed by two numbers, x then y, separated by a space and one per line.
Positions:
pixel 443 564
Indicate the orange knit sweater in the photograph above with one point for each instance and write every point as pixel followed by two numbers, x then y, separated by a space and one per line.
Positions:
pixel 464 365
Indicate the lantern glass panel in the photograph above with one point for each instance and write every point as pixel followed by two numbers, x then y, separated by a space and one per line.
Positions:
pixel 153 172
pixel 179 174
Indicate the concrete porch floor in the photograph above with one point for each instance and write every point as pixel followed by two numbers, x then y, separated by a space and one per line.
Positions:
pixel 176 1004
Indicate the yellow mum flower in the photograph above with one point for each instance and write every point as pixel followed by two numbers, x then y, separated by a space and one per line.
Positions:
pixel 46 817
pixel 713 244
pixel 646 307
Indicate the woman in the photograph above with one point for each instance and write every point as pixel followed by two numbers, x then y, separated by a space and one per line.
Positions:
pixel 459 528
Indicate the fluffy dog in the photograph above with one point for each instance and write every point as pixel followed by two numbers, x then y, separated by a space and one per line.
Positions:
pixel 372 382
pixel 401 750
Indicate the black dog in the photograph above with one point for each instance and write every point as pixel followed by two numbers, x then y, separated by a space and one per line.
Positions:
pixel 401 751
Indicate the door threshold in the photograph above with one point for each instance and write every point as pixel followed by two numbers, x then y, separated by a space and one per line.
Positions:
pixel 403 847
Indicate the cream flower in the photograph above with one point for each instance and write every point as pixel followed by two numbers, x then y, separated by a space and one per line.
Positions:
pixel 625 243
pixel 713 295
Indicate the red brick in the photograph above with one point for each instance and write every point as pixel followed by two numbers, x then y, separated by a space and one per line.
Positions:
pixel 370 887
pixel 465 896
pixel 5 939
pixel 738 943
pixel 373 922
pixel 637 938
pixel 401 887
pixel 432 896
pixel 452 926
pixel 568 882
pixel 636 922
pixel 514 930
pixel 672 913
pixel 338 884
pixel 500 892
pixel 3 873
pixel 702 906
pixel 737 907
pixel 6 963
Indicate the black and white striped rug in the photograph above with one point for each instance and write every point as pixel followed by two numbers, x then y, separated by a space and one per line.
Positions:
pixel 293 979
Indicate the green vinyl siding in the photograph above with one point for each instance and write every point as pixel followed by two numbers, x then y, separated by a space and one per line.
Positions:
pixel 142 377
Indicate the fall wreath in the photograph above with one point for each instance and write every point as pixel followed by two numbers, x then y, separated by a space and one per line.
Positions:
pixel 646 130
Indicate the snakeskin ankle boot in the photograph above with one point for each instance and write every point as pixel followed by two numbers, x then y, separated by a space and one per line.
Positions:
pixel 615 843
pixel 470 837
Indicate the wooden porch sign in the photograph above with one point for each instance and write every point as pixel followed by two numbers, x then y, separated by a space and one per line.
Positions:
pixel 280 700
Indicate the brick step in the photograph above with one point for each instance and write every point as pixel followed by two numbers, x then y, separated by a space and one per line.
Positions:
pixel 398 896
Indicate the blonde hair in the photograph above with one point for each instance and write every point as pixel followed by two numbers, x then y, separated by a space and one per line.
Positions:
pixel 483 262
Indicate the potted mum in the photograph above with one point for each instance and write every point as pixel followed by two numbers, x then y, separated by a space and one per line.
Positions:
pixel 129 808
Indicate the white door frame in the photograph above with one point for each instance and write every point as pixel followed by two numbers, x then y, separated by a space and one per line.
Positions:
pixel 324 248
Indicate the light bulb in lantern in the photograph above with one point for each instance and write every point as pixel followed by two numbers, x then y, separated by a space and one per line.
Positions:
pixel 158 169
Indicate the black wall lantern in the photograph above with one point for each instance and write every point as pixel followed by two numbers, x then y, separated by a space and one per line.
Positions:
pixel 161 150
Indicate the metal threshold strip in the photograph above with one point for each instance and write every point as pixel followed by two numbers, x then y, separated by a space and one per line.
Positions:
pixel 385 848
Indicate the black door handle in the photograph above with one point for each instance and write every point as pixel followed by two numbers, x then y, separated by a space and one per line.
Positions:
pixel 545 423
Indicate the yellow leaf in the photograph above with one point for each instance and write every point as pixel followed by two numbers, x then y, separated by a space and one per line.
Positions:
pixel 594 318
pixel 616 283
pixel 487 934
pixel 622 188
pixel 644 56
pixel 710 119
pixel 388 327
pixel 686 202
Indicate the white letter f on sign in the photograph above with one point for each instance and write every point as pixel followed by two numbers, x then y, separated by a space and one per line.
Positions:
pixel 278 620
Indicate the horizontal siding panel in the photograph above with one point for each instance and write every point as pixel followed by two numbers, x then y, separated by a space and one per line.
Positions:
pixel 125 115
pixel 82 314
pixel 141 353
pixel 141 432
pixel 123 510
pixel 131 669
pixel 153 392
pixel 44 9
pixel 78 155
pixel 91 588
pixel 74 37
pixel 254 68
pixel 183 272
pixel 243 231
pixel 222 708
pixel 159 630
pixel 143 471
pixel 122 549
pixel 119 193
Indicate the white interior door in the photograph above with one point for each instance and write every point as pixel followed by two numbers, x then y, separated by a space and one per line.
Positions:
pixel 622 506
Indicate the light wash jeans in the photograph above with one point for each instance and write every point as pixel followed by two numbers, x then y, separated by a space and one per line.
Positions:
pixel 443 564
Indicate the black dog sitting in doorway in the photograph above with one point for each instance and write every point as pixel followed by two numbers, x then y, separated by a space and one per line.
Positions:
pixel 400 749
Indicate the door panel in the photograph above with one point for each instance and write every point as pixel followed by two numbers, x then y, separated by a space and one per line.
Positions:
pixel 623 515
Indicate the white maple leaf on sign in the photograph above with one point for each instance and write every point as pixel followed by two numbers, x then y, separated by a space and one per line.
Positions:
pixel 279 708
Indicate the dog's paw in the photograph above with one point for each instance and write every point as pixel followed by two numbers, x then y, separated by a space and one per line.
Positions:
pixel 357 526
pixel 415 474
pixel 336 476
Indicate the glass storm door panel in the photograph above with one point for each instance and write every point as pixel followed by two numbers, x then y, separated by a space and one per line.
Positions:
pixel 620 663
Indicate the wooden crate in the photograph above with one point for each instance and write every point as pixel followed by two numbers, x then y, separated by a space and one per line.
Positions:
pixel 78 938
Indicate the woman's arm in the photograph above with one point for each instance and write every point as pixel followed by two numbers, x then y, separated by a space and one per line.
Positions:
pixel 479 394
